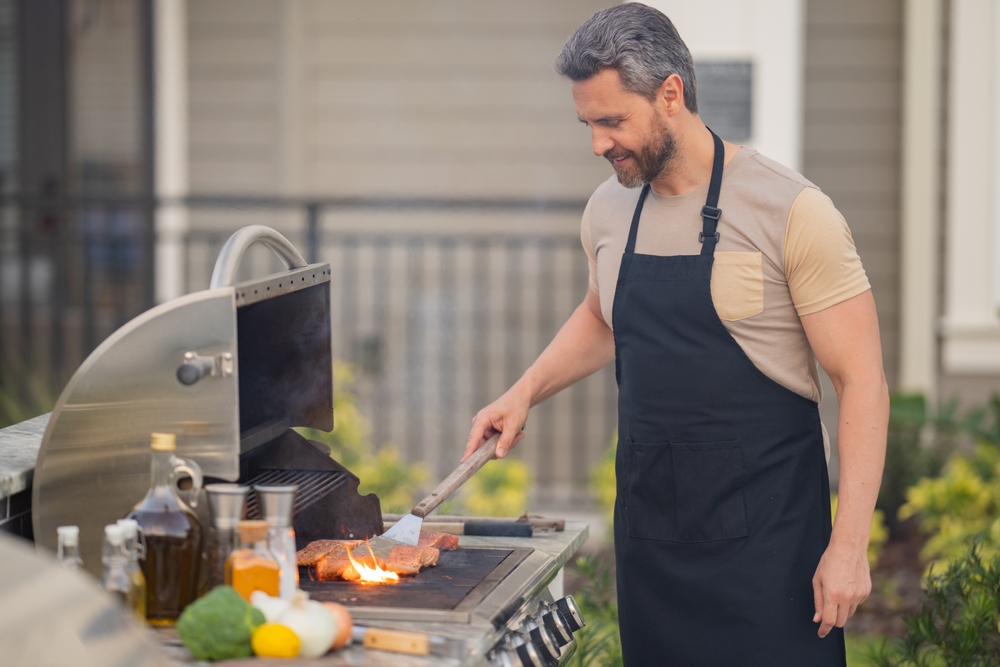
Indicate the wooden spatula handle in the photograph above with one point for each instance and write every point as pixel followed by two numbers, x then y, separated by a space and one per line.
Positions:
pixel 457 478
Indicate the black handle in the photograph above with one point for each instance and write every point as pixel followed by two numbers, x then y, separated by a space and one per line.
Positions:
pixel 195 369
pixel 498 529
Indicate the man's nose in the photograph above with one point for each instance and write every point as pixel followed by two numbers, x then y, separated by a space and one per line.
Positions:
pixel 602 143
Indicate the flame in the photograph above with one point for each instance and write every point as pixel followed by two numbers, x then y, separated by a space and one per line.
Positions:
pixel 371 575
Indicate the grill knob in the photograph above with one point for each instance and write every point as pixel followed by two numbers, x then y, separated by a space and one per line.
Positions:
pixel 570 613
pixel 528 656
pixel 553 622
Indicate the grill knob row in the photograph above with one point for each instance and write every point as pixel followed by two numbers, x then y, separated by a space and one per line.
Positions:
pixel 540 639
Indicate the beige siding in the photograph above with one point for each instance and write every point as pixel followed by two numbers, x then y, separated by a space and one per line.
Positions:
pixel 852 136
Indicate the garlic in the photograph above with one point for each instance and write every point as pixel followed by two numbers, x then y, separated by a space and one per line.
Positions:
pixel 311 621
pixel 272 608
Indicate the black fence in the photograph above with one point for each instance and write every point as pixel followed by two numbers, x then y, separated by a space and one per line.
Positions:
pixel 434 325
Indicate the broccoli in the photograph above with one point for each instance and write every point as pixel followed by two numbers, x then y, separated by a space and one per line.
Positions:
pixel 219 625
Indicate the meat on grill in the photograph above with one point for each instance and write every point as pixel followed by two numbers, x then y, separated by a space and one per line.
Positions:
pixel 336 568
pixel 314 551
pixel 408 561
pixel 441 541
pixel 328 558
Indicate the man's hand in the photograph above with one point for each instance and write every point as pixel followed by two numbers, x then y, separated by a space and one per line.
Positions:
pixel 841 583
pixel 505 416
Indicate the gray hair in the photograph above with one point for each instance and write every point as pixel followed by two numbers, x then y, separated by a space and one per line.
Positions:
pixel 638 42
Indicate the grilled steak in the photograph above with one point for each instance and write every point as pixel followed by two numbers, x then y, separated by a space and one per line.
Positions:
pixel 337 567
pixel 314 551
pixel 406 560
pixel 441 541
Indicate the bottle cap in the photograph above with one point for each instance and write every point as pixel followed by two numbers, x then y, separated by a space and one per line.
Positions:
pixel 163 442
pixel 68 534
pixel 252 530
pixel 113 533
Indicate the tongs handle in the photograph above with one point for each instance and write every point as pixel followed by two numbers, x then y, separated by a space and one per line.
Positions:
pixel 457 478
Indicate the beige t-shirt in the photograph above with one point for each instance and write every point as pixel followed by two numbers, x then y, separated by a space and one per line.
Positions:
pixel 784 251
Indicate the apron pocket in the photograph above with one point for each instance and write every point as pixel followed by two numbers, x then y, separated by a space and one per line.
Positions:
pixel 708 486
pixel 685 492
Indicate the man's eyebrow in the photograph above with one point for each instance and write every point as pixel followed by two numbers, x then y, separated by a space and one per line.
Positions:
pixel 604 119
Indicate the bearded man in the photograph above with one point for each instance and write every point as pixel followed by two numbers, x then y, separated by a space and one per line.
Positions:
pixel 718 279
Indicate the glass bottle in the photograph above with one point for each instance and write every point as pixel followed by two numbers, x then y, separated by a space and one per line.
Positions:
pixel 68 551
pixel 135 551
pixel 253 567
pixel 173 534
pixel 115 579
pixel 276 505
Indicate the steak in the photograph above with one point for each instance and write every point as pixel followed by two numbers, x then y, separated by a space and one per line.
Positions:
pixel 337 567
pixel 314 551
pixel 407 560
pixel 442 541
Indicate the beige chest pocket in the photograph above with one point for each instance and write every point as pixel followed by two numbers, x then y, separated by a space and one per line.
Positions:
pixel 738 284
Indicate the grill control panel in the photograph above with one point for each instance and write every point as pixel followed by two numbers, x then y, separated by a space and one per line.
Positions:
pixel 541 639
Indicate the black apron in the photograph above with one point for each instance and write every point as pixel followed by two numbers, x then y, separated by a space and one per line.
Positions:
pixel 723 507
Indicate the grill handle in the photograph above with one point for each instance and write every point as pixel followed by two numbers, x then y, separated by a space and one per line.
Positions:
pixel 232 253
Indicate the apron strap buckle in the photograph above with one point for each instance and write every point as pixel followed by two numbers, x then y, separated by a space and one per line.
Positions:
pixel 701 237
pixel 711 212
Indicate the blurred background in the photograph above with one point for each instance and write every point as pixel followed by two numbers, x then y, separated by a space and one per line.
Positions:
pixel 429 152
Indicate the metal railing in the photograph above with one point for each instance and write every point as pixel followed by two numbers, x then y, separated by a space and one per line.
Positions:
pixel 436 324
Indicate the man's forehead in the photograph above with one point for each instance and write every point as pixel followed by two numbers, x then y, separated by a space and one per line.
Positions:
pixel 603 95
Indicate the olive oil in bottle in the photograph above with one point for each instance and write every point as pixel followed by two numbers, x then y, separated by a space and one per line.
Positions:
pixel 173 535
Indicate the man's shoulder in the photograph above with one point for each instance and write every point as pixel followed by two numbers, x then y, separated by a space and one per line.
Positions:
pixel 759 166
pixel 610 198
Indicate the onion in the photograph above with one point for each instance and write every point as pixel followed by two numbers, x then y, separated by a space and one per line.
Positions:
pixel 342 618
pixel 314 625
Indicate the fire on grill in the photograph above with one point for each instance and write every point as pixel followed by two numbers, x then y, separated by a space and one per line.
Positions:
pixel 334 560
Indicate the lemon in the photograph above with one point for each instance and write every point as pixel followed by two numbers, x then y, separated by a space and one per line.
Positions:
pixel 273 640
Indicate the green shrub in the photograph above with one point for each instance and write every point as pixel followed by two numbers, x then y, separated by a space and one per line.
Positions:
pixel 500 488
pixel 384 472
pixel 917 445
pixel 599 643
pixel 957 622
pixel 961 504
pixel 604 487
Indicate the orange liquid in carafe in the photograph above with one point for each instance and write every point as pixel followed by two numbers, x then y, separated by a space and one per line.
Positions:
pixel 248 572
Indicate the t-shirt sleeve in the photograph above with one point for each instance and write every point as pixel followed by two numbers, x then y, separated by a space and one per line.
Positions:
pixel 822 265
pixel 588 247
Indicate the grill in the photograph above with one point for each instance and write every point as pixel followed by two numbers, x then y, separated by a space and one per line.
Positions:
pixel 231 370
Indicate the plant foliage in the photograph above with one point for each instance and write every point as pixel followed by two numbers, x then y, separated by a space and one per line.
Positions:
pixel 599 643
pixel 500 488
pixel 957 622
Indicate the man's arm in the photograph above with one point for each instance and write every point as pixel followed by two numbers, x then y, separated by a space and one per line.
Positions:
pixel 582 347
pixel 845 340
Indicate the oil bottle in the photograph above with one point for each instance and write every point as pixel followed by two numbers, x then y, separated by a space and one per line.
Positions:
pixel 253 567
pixel 172 531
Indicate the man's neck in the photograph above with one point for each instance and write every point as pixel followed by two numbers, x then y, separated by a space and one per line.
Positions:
pixel 691 167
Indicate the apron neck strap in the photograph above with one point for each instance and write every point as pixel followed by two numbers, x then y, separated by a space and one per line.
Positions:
pixel 634 229
pixel 711 212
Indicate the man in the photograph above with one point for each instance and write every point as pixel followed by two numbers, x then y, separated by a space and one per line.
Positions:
pixel 715 288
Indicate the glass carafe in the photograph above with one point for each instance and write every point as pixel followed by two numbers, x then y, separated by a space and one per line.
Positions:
pixel 68 552
pixel 226 502
pixel 172 531
pixel 135 551
pixel 115 579
pixel 276 505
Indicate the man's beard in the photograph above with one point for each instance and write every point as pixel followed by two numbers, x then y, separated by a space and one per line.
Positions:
pixel 649 163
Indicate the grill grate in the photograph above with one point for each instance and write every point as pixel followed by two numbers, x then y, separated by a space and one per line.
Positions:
pixel 313 485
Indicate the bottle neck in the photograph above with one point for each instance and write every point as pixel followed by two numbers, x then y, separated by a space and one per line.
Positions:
pixel 161 468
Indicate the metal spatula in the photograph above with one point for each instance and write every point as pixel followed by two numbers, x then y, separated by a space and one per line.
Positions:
pixel 407 529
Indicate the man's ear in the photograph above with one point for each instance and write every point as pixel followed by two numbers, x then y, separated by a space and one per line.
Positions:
pixel 670 96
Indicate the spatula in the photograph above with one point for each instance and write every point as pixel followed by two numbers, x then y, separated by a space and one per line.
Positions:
pixel 407 529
